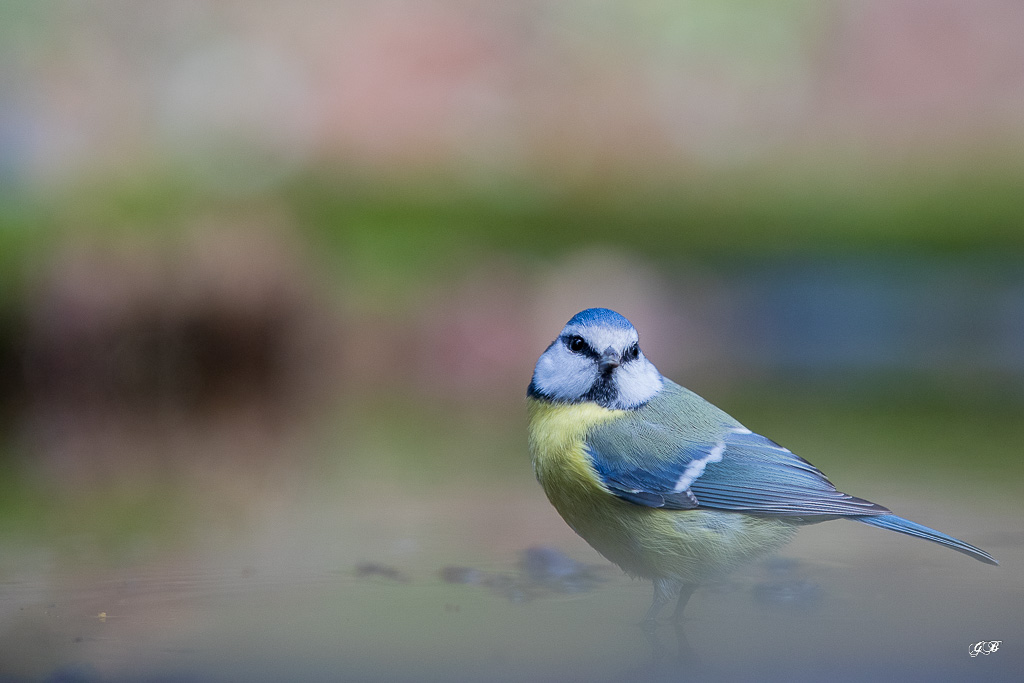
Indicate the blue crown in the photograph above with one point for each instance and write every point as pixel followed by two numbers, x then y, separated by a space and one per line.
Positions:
pixel 600 316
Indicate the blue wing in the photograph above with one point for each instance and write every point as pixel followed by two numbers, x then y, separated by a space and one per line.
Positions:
pixel 727 467
pixel 680 452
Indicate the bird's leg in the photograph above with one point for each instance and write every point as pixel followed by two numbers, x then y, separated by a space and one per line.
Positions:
pixel 685 654
pixel 664 591
pixel 685 591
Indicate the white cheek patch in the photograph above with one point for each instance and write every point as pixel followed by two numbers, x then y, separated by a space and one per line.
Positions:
pixel 564 375
pixel 637 381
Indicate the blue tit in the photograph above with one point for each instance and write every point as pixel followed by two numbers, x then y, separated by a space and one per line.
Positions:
pixel 663 483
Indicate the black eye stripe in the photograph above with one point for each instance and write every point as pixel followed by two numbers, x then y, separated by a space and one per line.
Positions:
pixel 576 344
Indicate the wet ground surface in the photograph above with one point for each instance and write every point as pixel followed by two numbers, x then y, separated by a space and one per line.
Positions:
pixel 405 556
pixel 302 602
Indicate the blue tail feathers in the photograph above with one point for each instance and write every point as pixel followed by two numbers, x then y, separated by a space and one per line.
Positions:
pixel 905 526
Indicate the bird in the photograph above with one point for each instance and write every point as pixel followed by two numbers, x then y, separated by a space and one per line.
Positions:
pixel 660 481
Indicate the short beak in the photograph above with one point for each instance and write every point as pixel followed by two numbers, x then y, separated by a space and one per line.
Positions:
pixel 609 360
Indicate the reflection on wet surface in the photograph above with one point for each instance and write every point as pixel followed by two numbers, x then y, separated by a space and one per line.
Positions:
pixel 304 596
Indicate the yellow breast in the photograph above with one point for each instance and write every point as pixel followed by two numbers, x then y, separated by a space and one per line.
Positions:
pixel 557 434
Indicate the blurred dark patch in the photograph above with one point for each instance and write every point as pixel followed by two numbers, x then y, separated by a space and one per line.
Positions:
pixel 843 317
pixel 375 569
pixel 466 575
pixel 105 331
pixel 543 571
pixel 550 567
pixel 75 673
pixel 12 379
pixel 118 351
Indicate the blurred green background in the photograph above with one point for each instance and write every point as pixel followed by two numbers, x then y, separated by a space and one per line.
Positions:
pixel 273 278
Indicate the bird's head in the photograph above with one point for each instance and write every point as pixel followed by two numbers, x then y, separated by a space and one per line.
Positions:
pixel 596 358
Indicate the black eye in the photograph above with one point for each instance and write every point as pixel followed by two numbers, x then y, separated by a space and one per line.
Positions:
pixel 576 344
pixel 632 353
